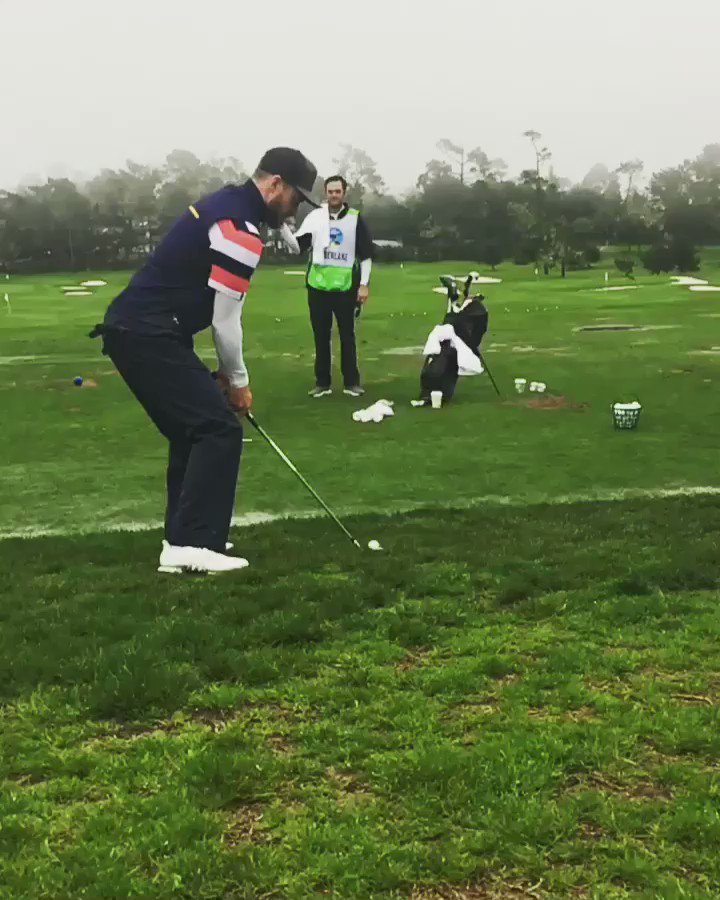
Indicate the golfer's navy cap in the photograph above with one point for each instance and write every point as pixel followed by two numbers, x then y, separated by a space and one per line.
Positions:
pixel 294 168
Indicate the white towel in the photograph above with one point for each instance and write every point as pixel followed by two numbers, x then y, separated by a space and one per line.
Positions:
pixel 468 363
pixel 375 413
pixel 317 224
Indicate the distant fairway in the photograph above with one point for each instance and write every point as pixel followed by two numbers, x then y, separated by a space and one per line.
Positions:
pixel 85 459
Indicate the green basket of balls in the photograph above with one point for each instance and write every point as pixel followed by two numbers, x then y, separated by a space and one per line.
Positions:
pixel 626 416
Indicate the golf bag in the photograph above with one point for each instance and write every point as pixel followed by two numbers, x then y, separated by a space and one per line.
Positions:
pixel 468 317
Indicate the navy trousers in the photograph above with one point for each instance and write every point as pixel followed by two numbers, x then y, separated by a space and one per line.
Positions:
pixel 179 394
pixel 343 306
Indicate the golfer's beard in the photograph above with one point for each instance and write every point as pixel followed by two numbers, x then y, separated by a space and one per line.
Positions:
pixel 274 215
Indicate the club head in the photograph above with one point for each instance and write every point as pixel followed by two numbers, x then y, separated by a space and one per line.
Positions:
pixel 449 283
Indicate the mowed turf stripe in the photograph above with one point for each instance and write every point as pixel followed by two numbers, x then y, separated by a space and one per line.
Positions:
pixel 262 518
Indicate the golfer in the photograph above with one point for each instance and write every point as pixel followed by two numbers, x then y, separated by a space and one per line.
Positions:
pixel 338 280
pixel 198 278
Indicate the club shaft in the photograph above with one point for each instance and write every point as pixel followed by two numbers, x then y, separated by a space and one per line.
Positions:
pixel 293 468
pixel 487 369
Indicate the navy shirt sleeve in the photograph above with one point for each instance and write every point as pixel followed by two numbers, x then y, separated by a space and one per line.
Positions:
pixel 304 242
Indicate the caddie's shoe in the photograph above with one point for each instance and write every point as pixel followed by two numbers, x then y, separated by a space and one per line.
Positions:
pixel 318 391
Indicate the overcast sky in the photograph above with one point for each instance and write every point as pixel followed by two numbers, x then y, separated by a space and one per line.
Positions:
pixel 88 84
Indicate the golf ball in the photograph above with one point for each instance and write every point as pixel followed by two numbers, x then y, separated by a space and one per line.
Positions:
pixel 374 545
pixel 77 380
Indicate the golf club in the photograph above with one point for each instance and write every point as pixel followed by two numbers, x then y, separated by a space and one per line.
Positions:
pixel 450 285
pixel 466 294
pixel 256 425
pixel 485 366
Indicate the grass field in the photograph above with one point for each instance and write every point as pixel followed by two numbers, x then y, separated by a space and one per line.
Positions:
pixel 87 458
pixel 518 699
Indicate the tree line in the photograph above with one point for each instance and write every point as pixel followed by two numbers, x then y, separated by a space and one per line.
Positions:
pixel 464 205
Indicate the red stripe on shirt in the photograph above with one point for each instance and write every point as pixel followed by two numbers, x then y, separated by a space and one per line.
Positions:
pixel 249 241
pixel 234 282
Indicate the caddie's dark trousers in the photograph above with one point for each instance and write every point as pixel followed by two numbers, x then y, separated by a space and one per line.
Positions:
pixel 186 404
pixel 323 306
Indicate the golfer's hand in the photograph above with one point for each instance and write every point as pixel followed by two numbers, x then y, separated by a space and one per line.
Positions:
pixel 240 399
pixel 363 294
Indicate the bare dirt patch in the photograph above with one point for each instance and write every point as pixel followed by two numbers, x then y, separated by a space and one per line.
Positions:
pixel 491 890
pixel 551 401
pixel 245 827
pixel 637 790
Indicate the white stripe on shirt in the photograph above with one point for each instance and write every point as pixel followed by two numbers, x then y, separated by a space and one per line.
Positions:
pixel 224 289
pixel 219 242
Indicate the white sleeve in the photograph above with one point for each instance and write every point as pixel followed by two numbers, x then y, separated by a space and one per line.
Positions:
pixel 365 269
pixel 289 238
pixel 228 337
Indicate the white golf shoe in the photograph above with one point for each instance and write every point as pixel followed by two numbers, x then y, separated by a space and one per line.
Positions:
pixel 178 560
